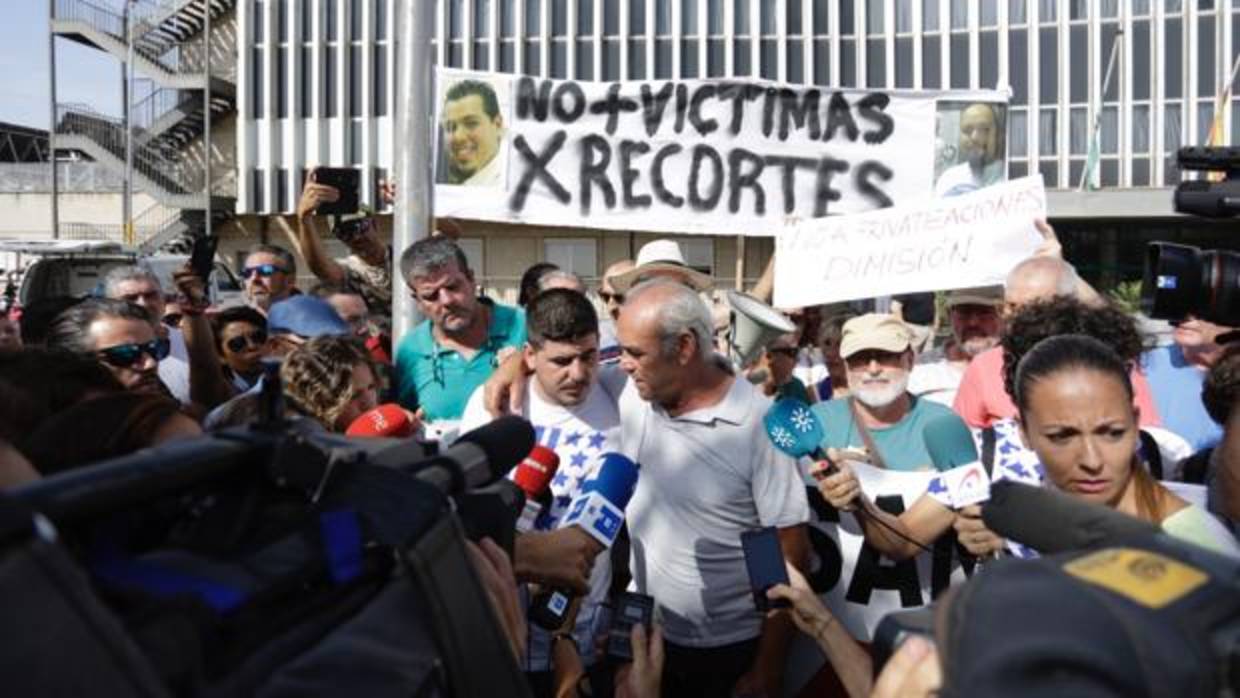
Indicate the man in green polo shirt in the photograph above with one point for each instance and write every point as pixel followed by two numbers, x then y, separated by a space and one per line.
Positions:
pixel 452 352
pixel 877 351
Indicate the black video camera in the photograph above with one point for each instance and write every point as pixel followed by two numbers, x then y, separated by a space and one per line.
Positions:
pixel 1206 198
pixel 1181 280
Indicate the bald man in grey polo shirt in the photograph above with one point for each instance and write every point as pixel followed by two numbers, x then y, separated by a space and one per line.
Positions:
pixel 709 473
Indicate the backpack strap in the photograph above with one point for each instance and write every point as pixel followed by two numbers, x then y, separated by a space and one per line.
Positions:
pixel 988 449
pixel 1151 453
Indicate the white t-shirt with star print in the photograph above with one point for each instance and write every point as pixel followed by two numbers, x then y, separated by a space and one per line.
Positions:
pixel 579 435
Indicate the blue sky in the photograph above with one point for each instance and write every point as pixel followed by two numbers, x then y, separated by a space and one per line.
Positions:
pixel 84 75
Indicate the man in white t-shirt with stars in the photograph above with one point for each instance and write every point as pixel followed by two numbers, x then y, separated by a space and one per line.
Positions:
pixel 573 416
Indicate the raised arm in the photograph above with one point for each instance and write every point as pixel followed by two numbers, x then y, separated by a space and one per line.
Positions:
pixel 207 385
pixel 308 241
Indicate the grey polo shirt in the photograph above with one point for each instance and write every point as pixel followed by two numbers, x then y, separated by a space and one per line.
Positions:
pixel 706 476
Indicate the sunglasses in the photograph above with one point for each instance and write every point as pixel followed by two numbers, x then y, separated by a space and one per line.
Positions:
pixel 609 297
pixel 257 338
pixel 783 351
pixel 171 319
pixel 350 231
pixel 263 270
pixel 126 355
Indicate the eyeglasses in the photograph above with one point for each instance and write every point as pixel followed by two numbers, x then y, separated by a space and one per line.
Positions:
pixel 862 359
pixel 609 297
pixel 126 355
pixel 263 270
pixel 257 338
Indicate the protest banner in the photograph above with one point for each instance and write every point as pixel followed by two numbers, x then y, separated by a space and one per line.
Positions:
pixel 969 240
pixel 855 581
pixel 721 157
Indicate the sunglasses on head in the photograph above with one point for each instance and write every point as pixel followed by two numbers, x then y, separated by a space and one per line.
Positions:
pixel 257 338
pixel 262 270
pixel 126 355
pixel 349 231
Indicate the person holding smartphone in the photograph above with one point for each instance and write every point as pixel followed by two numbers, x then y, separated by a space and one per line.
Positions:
pixel 367 270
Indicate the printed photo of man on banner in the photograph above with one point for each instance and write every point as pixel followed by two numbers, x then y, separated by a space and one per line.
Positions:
pixel 472 147
pixel 970 146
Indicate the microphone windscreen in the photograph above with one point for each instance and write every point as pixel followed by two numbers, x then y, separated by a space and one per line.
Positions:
pixel 949 442
pixel 534 473
pixel 793 427
pixel 616 480
pixel 1052 522
pixel 388 420
pixel 505 441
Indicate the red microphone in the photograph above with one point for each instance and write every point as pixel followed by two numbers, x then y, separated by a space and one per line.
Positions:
pixel 384 421
pixel 533 475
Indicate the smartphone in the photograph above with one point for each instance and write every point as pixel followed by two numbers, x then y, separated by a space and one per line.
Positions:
pixel 346 181
pixel 549 608
pixel 764 560
pixel 628 609
pixel 202 257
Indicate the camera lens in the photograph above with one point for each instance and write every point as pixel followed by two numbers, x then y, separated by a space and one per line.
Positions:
pixel 1172 280
pixel 1181 280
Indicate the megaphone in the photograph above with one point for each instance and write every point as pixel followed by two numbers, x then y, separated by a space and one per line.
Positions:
pixel 753 325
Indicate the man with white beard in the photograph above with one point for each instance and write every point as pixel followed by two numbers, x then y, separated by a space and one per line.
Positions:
pixel 878 355
pixel 974 314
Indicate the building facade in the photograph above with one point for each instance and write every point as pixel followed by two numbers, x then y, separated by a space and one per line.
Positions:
pixel 317 84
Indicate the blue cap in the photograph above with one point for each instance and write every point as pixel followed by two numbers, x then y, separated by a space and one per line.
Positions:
pixel 305 316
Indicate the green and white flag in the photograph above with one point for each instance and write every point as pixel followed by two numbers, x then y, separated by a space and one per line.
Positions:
pixel 1091 178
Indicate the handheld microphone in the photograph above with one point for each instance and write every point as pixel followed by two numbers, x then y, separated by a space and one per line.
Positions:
pixel 794 429
pixel 949 442
pixel 533 475
pixel 1053 522
pixel 385 421
pixel 599 511
pixel 475 459
pixel 951 449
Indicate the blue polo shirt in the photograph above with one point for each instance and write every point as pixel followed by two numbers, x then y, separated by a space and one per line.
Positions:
pixel 439 379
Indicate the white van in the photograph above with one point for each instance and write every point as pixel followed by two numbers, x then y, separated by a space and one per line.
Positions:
pixel 77 268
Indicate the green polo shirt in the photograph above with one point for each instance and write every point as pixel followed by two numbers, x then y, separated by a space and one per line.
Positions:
pixel 902 444
pixel 439 379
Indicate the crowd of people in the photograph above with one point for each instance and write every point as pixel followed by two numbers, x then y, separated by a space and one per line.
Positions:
pixel 1056 385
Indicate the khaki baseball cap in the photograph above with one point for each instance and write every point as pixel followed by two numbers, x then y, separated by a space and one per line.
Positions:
pixel 981 295
pixel 874 331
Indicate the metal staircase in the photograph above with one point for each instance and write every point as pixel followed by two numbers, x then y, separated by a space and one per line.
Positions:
pixel 168 124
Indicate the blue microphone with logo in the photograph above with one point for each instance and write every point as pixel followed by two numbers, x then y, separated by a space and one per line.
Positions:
pixel 795 429
pixel 599 511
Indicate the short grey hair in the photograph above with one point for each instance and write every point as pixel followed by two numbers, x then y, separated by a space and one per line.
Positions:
pixel 128 272
pixel 429 255
pixel 286 258
pixel 1066 279
pixel 682 311
pixel 545 281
